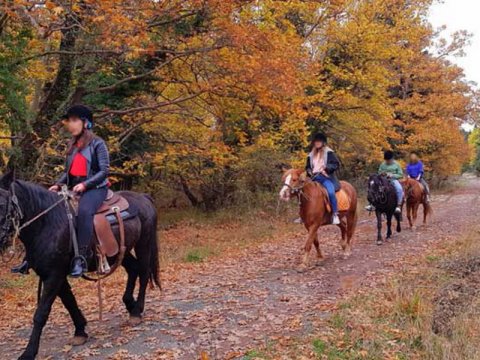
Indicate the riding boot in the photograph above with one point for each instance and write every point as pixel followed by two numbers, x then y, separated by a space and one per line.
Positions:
pixel 79 264
pixel 21 269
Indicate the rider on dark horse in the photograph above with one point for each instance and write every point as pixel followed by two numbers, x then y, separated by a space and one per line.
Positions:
pixel 86 171
pixel 394 173
pixel 322 163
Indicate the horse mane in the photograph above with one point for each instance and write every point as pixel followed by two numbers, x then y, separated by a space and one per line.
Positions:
pixel 35 198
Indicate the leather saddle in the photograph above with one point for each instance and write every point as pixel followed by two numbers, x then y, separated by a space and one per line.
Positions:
pixel 112 211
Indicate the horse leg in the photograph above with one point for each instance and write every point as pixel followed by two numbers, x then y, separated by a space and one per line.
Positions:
pixel 409 214
pixel 389 225
pixel 344 243
pixel 131 266
pixel 317 248
pixel 379 227
pixel 52 286
pixel 415 213
pixel 320 257
pixel 312 235
pixel 351 225
pixel 398 217
pixel 143 261
pixel 70 303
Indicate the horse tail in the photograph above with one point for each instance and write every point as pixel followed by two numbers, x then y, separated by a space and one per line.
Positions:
pixel 155 263
pixel 428 209
pixel 154 248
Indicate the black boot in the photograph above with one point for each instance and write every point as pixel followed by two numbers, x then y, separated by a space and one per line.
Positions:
pixel 21 269
pixel 79 266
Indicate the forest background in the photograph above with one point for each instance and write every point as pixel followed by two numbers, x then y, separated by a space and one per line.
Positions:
pixel 202 102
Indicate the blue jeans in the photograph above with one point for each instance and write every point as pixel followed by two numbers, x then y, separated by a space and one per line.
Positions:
pixel 330 187
pixel 399 190
pixel 90 202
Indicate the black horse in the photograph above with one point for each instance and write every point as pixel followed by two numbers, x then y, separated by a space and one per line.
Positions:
pixel 49 251
pixel 382 195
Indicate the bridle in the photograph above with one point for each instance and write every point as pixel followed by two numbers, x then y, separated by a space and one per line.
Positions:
pixel 13 221
pixel 297 191
pixel 379 197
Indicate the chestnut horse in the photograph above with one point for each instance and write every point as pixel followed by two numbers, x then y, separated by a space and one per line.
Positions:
pixel 415 195
pixel 315 210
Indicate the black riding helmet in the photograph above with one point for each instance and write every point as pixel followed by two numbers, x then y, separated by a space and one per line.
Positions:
pixel 320 137
pixel 82 112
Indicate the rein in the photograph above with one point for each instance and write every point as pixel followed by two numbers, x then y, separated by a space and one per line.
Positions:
pixel 298 191
pixel 15 216
pixel 18 214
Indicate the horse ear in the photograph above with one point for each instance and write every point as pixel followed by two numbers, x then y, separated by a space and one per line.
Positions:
pixel 7 179
pixel 284 167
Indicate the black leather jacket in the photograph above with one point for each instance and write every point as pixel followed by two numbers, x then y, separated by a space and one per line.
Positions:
pixel 98 163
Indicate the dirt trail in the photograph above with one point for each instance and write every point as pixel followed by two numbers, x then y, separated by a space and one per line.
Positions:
pixel 230 305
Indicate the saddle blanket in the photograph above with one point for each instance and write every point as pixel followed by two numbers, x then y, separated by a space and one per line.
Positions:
pixel 125 214
pixel 343 201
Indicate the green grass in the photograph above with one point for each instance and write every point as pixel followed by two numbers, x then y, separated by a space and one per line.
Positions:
pixel 13 283
pixel 253 354
pixel 319 347
pixel 198 255
pixel 432 258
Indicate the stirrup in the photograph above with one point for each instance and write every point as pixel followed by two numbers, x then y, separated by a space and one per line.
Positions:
pixel 22 269
pixel 84 265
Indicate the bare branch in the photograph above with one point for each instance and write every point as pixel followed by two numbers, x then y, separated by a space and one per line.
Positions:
pixel 132 78
pixel 172 20
pixel 149 107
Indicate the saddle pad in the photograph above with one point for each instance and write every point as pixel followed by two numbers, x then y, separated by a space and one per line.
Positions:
pixel 125 214
pixel 343 201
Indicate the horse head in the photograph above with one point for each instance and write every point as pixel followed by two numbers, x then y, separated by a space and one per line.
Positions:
pixel 378 186
pixel 293 181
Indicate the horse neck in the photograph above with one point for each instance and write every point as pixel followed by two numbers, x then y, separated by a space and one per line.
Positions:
pixel 32 200
pixel 310 189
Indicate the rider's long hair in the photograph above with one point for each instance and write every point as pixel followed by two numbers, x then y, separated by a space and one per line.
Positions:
pixel 81 141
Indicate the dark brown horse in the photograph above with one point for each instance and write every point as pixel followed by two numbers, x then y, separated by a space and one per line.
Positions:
pixel 49 251
pixel 415 195
pixel 315 210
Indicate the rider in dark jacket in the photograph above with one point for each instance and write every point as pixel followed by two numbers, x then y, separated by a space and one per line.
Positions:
pixel 86 170
pixel 322 164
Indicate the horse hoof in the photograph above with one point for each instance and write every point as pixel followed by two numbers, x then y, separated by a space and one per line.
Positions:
pixel 379 242
pixel 347 254
pixel 79 340
pixel 319 261
pixel 134 320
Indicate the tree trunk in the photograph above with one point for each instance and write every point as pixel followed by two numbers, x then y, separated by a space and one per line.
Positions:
pixel 53 104
pixel 186 189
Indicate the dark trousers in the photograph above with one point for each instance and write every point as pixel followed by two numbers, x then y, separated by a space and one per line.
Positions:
pixel 89 203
